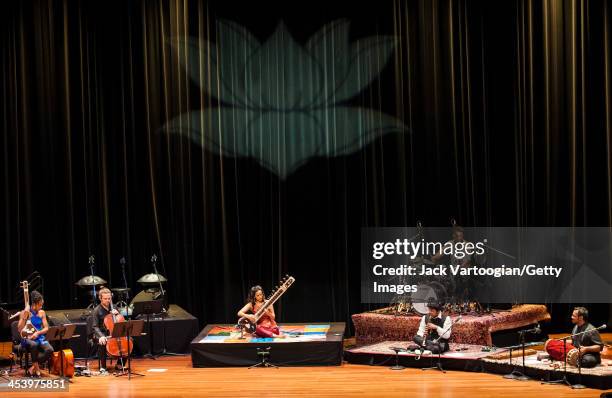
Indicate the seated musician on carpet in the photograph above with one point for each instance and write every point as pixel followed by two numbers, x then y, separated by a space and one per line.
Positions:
pixel 100 334
pixel 432 326
pixel 590 343
pixel 266 325
pixel 36 344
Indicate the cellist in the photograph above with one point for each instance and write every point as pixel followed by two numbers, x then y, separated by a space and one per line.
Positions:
pixel 100 334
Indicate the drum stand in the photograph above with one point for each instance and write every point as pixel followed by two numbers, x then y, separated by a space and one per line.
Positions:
pixel 397 366
pixel 264 353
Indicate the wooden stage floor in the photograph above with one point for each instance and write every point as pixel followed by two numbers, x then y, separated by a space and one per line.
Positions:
pixel 181 380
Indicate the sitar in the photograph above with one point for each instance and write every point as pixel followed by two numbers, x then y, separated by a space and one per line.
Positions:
pixel 246 325
pixel 29 329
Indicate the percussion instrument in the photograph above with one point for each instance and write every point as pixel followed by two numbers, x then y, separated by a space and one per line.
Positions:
pixel 425 293
pixel 88 280
pixel 555 349
pixel 152 279
pixel 573 356
pixel 606 353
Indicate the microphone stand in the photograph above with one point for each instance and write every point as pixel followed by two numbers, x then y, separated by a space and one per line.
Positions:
pixel 579 386
pixel 438 365
pixel 161 287
pixel 91 305
pixel 163 317
pixel 515 374
pixel 91 268
pixel 564 380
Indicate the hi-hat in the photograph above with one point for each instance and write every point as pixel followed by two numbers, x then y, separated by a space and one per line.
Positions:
pixel 90 281
pixel 151 278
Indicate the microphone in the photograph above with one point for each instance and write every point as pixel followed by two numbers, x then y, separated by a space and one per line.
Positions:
pixel 453 221
pixel 535 330
pixel 154 258
pixel 91 259
pixel 122 261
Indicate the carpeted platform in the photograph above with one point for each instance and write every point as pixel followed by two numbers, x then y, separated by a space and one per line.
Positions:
pixel 303 344
pixel 456 351
pixel 376 326
pixel 598 377
pixel 472 358
pixel 458 357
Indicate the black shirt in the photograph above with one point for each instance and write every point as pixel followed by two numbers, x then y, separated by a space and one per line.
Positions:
pixel 590 338
pixel 98 314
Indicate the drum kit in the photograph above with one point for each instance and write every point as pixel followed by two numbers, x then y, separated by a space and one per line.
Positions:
pixel 440 289
pixel 93 285
pixel 152 283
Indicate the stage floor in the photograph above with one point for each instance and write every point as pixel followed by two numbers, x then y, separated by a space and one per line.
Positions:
pixel 314 344
pixel 175 377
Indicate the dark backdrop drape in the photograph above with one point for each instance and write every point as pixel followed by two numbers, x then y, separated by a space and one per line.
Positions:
pixel 507 105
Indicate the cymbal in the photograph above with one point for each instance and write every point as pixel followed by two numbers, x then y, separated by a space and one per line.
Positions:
pixel 121 289
pixel 152 278
pixel 421 260
pixel 90 281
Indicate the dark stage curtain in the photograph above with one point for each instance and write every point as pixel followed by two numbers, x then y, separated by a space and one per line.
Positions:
pixel 505 114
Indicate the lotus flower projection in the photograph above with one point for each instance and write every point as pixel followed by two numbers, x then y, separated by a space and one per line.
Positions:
pixel 282 103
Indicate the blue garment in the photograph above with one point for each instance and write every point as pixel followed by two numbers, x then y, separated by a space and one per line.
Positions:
pixel 38 324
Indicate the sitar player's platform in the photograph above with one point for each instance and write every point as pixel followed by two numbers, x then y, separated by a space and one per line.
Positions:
pixel 302 345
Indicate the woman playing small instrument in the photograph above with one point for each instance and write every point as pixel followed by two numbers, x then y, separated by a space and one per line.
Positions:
pixel 266 325
pixel 33 325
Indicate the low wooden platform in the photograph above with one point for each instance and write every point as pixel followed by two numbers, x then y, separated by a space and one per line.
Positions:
pixel 182 380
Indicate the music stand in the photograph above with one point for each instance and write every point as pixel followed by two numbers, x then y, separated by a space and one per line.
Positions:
pixel 128 329
pixel 61 333
pixel 148 308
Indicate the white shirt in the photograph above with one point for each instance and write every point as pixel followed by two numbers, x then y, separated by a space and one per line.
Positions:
pixel 446 328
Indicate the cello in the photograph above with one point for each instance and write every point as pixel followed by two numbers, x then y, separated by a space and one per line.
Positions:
pixel 116 346
pixel 67 357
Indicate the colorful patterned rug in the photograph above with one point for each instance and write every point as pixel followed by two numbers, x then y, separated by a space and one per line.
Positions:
pixel 290 334
pixel 456 351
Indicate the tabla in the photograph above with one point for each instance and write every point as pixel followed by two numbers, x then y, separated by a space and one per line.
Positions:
pixel 572 357
pixel 554 348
